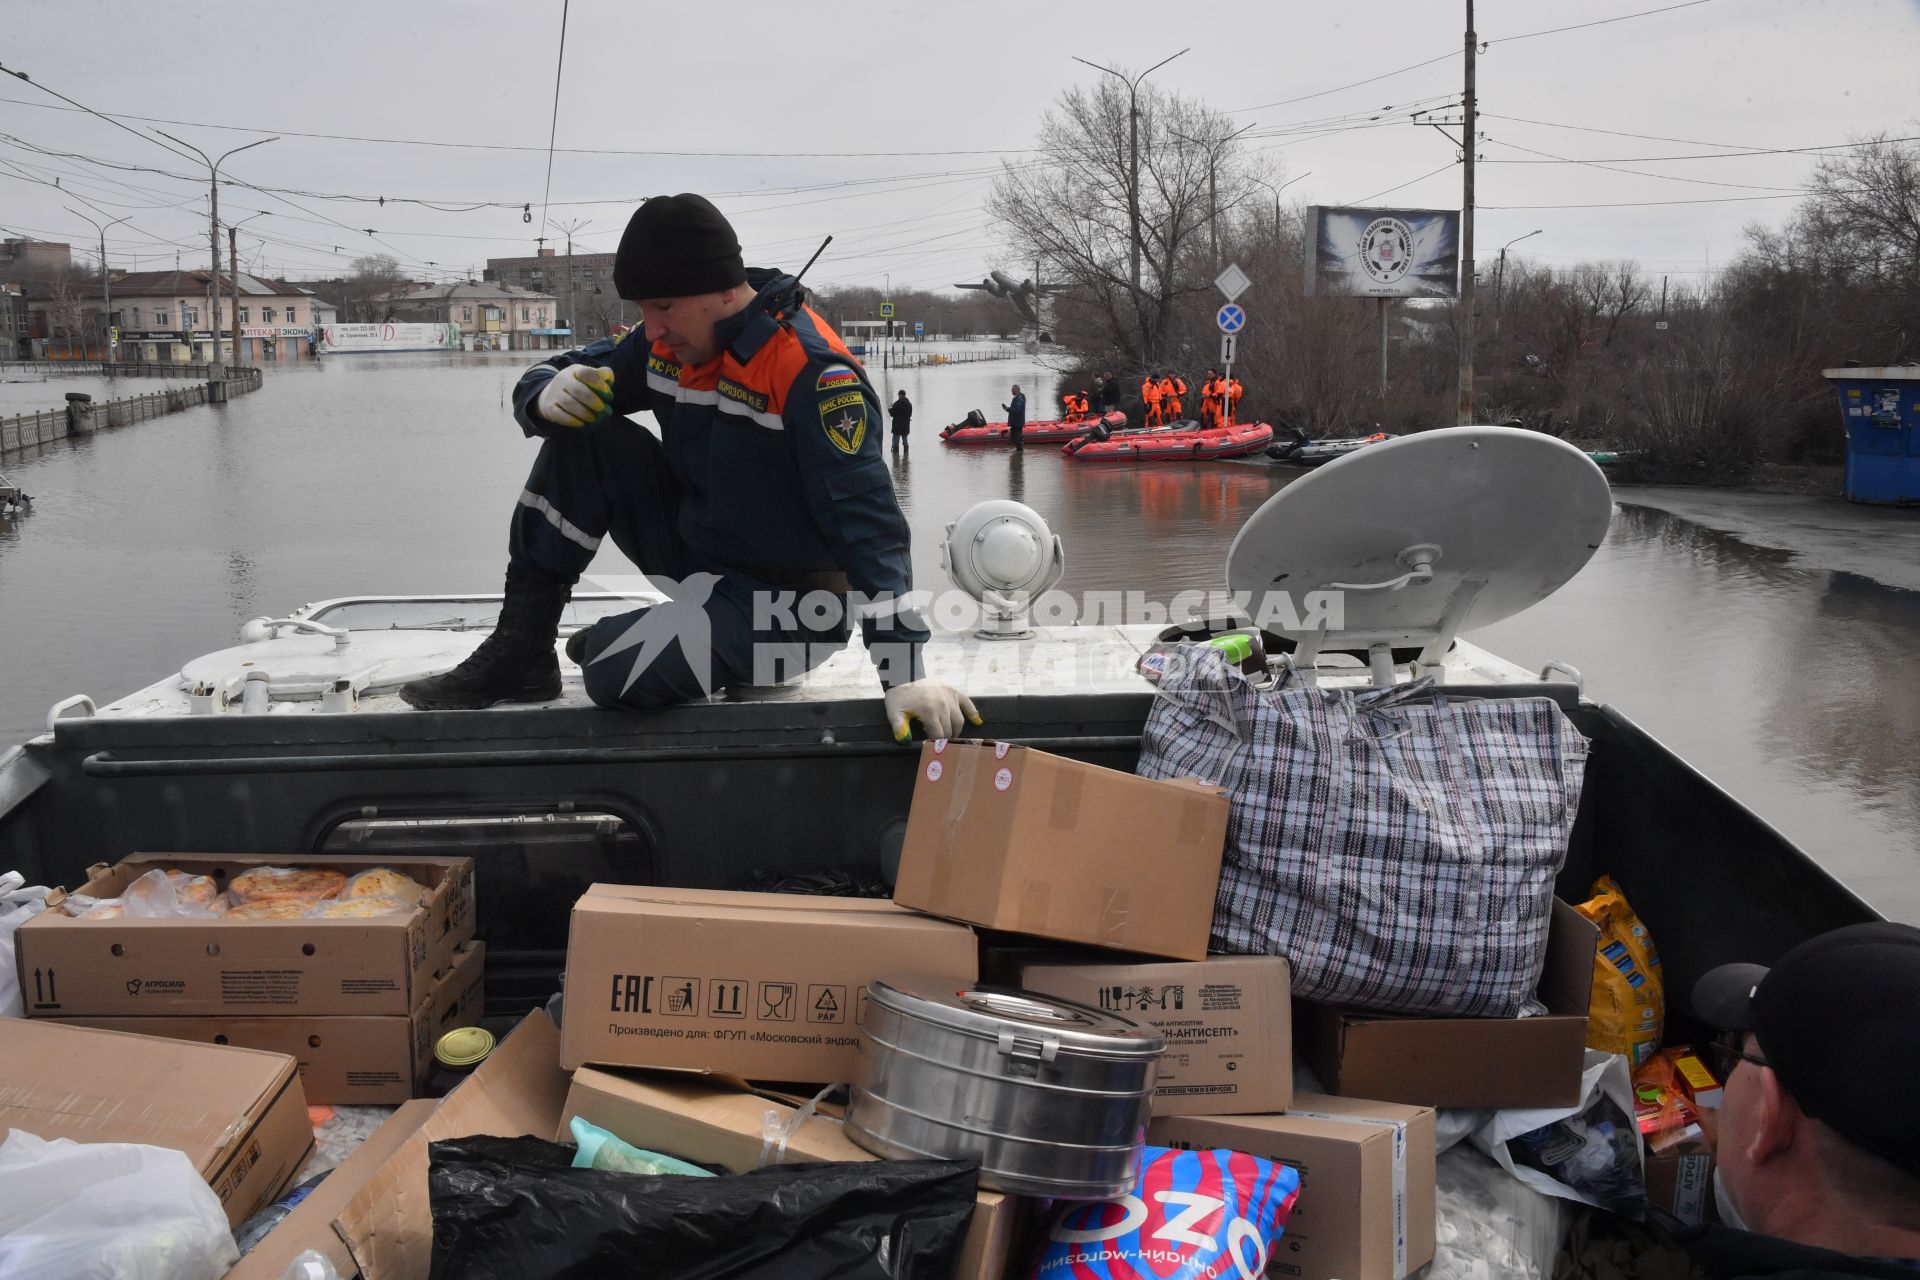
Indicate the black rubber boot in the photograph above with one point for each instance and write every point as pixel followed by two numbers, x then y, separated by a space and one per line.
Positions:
pixel 514 664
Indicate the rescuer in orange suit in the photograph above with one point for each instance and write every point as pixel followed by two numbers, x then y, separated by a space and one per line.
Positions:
pixel 1212 392
pixel 1150 393
pixel 1234 390
pixel 1172 387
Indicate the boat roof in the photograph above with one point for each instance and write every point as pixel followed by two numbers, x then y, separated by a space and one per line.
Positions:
pixel 391 639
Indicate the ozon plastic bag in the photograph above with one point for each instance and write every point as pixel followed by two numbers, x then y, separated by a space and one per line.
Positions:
pixel 515 1209
pixel 1190 1214
pixel 116 1209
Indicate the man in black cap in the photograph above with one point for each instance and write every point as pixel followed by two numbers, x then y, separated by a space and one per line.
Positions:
pixel 764 504
pixel 1818 1152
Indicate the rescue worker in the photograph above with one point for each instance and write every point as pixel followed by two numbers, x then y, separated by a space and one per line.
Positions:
pixel 901 412
pixel 765 485
pixel 1176 392
pixel 1016 412
pixel 1211 394
pixel 1234 390
pixel 1169 402
pixel 1150 397
pixel 1081 405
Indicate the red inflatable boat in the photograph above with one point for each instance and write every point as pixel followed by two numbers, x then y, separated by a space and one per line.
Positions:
pixel 1049 431
pixel 1176 442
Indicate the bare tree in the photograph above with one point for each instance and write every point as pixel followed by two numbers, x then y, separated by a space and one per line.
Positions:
pixel 373 276
pixel 1610 291
pixel 1067 210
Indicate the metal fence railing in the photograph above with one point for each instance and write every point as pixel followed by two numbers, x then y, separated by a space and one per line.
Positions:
pixel 27 429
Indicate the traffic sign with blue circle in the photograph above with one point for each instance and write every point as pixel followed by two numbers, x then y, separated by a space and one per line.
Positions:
pixel 1231 318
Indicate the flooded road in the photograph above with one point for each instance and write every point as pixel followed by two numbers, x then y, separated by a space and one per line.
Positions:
pixel 1792 687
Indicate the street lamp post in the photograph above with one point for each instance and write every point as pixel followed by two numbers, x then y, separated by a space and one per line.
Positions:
pixel 1500 278
pixel 1213 193
pixel 1276 195
pixel 1133 179
pixel 213 227
pixel 106 285
pixel 233 274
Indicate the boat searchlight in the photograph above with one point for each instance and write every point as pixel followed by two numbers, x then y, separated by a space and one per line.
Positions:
pixel 1003 555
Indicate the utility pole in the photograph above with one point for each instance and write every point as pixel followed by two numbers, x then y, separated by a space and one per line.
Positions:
pixel 1466 233
pixel 233 286
pixel 106 286
pixel 233 277
pixel 213 230
pixel 1500 278
pixel 1133 182
pixel 1384 303
pixel 569 229
pixel 1213 190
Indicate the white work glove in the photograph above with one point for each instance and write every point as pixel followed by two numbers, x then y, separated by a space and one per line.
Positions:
pixel 575 396
pixel 941 710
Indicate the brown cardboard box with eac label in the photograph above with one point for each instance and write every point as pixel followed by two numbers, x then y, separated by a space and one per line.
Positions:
pixel 765 986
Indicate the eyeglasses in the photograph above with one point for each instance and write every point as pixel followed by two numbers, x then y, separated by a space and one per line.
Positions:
pixel 1727 1054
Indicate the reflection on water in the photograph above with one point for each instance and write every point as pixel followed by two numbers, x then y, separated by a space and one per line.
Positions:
pixel 1792 688
pixel 394 474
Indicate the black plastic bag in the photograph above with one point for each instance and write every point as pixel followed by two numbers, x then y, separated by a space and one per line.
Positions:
pixel 832 882
pixel 1595 1151
pixel 513 1208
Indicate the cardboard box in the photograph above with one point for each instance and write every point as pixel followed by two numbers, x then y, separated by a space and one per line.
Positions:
pixel 1010 838
pixel 1366 1206
pixel 140 968
pixel 387 1226
pixel 1227 1021
pixel 765 986
pixel 715 1122
pixel 1465 1062
pixel 1681 1182
pixel 238 1114
pixel 310 1225
pixel 343 1060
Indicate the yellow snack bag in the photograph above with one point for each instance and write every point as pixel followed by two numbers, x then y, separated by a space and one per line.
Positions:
pixel 1629 996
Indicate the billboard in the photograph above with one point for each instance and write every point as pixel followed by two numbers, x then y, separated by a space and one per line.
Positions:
pixel 1382 253
pixel 390 337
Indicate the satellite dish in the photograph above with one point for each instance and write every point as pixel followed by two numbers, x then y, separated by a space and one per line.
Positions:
pixel 1411 542
pixel 1003 554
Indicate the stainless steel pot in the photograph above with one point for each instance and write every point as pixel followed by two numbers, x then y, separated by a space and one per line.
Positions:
pixel 1051 1096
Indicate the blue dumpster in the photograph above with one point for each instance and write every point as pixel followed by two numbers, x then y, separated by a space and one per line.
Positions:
pixel 1881 411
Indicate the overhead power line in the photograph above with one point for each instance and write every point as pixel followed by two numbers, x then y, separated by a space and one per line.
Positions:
pixel 1641 204
pixel 553 129
pixel 114 117
pixel 1597 22
pixel 1619 133
pixel 1711 155
pixel 1638 173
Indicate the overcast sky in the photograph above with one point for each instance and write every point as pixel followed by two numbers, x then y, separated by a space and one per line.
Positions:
pixel 948 90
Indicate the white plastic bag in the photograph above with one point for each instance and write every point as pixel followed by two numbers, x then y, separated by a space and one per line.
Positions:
pixel 1491 1224
pixel 94 1210
pixel 170 895
pixel 18 904
pixel 1597 1141
pixel 310 1264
